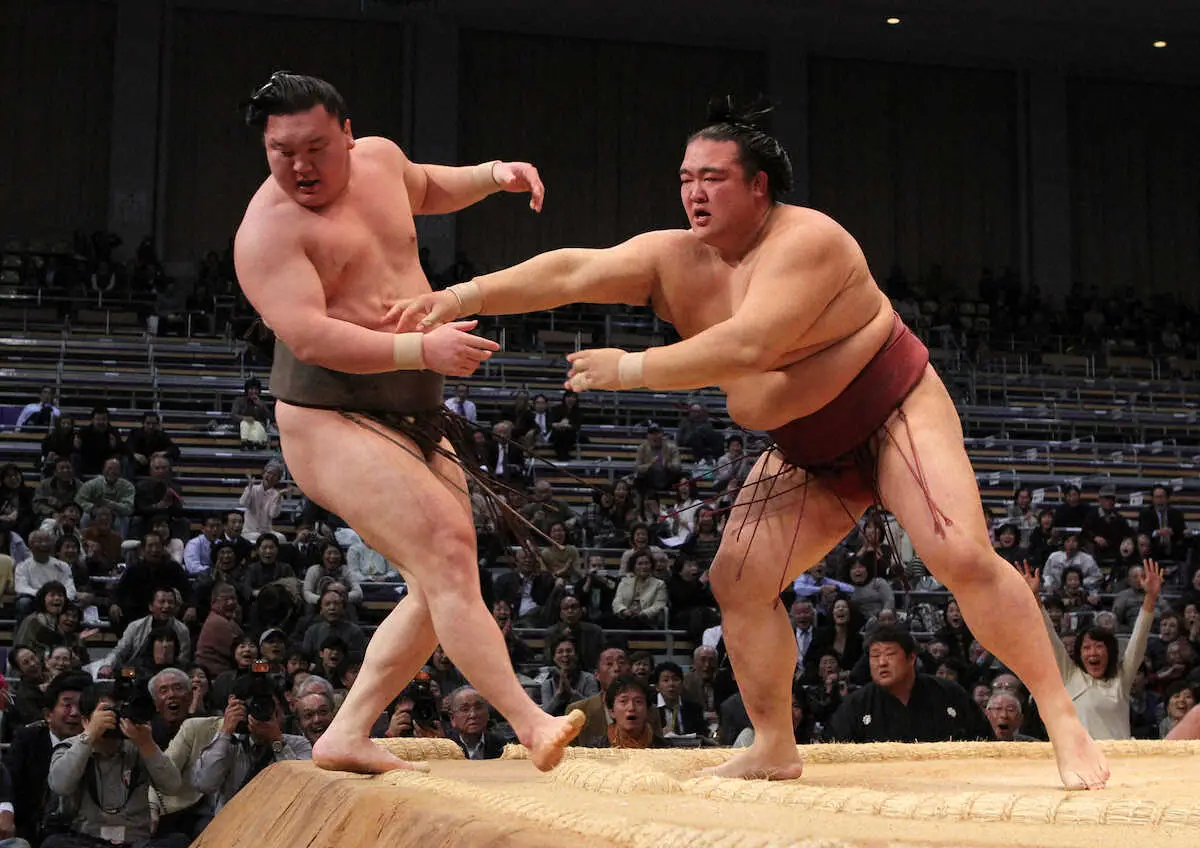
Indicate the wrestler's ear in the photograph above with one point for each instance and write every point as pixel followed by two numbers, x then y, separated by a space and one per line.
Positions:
pixel 349 133
pixel 758 184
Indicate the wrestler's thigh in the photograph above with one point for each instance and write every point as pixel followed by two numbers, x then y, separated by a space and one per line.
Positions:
pixel 380 485
pixel 782 524
pixel 935 431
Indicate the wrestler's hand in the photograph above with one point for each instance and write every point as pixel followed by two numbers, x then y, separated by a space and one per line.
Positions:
pixel 594 369
pixel 519 177
pixel 453 351
pixel 424 313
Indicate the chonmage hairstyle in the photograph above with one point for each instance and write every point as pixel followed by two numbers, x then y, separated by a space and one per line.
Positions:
pixel 749 127
pixel 286 93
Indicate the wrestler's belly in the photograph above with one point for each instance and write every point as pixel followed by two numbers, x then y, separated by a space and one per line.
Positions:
pixel 770 400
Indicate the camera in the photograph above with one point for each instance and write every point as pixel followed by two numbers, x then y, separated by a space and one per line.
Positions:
pixel 131 700
pixel 425 706
pixel 258 691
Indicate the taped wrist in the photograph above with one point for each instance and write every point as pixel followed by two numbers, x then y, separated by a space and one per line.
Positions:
pixel 629 370
pixel 485 176
pixel 408 352
pixel 469 297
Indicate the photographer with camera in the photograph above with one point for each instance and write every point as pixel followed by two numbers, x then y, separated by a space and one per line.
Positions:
pixel 415 712
pixel 249 739
pixel 105 773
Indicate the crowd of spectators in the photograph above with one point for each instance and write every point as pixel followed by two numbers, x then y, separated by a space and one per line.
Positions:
pixel 245 636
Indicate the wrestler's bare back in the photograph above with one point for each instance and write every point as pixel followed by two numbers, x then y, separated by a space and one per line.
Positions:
pixel 363 245
pixel 695 289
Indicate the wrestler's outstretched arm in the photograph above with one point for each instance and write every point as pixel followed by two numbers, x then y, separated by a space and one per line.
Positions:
pixel 789 290
pixel 280 281
pixel 626 273
pixel 440 189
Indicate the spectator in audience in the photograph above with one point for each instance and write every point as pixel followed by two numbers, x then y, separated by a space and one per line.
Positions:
pixel 870 595
pixel 41 568
pixel 135 647
pixel 461 405
pixel 1005 713
pixel 874 550
pixel 28 758
pixel 108 489
pixel 641 664
pixel 331 660
pixel 699 436
pixel 39 631
pixel 596 590
pixel 628 702
pixel 678 521
pixel 171 690
pixel 333 622
pixel 1044 539
pixel 16 501
pixel 677 714
pixel 811 582
pixel 266 567
pixel 841 634
pixel 59 443
pixel 639 541
pixel 562 561
pixel 1020 513
pixel 1128 557
pixel 705 539
pixel 566 424
pixel 613 663
pixel 1144 708
pixel 802 617
pixel 587 638
pixel 101 531
pixel 139 583
pixel 535 427
pixel 519 413
pixel 148 441
pixel 1105 528
pixel 1181 699
pixel 187 811
pixel 689 597
pixel 504 455
pixel 103 752
pixel 98 442
pixel 1175 664
pixel 519 652
pixel 1071 556
pixel 221 631
pixel 314 712
pixel 734 465
pixel 955 633
pixel 1074 596
pixel 1128 603
pixel 657 466
pixel 59 660
pixel 443 673
pixel 544 509
pixel 1165 525
pixel 251 416
pixel 234 524
pixel 468 722
pixel 244 746
pixel 1097 683
pixel 40 415
pixel 156 495
pixel 332 570
pixel 64 524
pixel 263 500
pixel 641 597
pixel 198 553
pixel 226 569
pixel 55 492
pixel 900 705
pixel 1072 512
pixel 703 686
pixel 566 683
pixel 25 697
pixel 527 589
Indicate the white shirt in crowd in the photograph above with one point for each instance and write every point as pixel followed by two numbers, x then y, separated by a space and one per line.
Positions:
pixel 465 408
pixel 31 575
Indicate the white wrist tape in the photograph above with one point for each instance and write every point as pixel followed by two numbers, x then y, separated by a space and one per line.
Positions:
pixel 629 370
pixel 408 352
pixel 469 297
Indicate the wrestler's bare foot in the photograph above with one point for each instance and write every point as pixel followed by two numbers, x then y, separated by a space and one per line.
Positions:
pixel 761 763
pixel 547 741
pixel 1081 763
pixel 334 752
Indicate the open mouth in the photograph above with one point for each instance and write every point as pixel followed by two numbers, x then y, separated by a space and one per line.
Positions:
pixel 701 217
pixel 306 185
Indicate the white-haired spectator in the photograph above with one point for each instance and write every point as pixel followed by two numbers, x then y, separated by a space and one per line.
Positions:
pixel 171 689
pixel 1004 713
pixel 263 500
pixel 40 568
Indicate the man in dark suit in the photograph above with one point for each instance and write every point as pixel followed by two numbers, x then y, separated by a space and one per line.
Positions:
pixel 1164 525
pixel 505 459
pixel 588 637
pixel 526 589
pixel 28 760
pixel 678 716
pixel 1105 528
pixel 469 720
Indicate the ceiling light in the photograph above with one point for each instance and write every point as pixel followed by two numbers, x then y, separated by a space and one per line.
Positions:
pixel 1160 44
pixel 893 21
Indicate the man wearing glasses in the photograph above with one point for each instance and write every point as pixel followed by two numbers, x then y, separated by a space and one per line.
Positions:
pixel 327 246
pixel 469 721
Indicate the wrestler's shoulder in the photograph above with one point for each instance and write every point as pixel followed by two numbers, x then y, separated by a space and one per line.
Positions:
pixel 810 225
